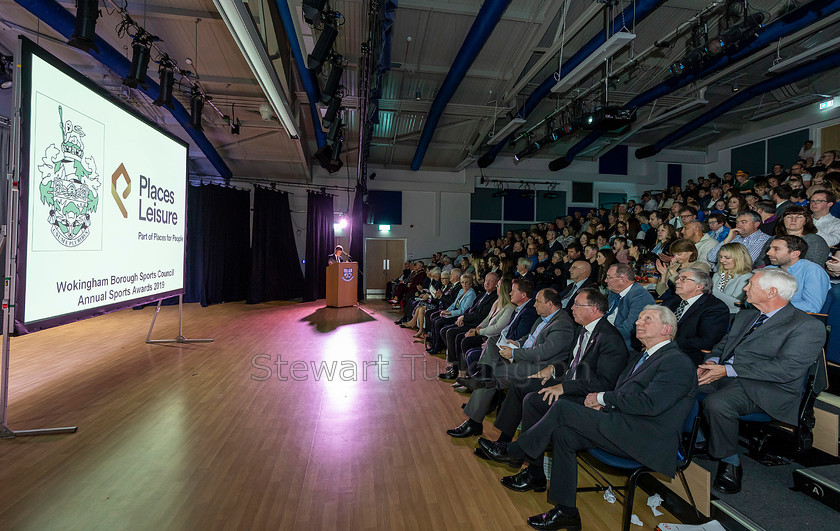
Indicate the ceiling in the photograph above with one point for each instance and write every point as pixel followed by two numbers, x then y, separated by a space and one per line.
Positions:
pixel 522 52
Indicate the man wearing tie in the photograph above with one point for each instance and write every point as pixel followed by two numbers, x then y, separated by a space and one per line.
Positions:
pixel 579 273
pixel 641 419
pixel 598 358
pixel 627 298
pixel 759 367
pixel 337 256
pixel 550 341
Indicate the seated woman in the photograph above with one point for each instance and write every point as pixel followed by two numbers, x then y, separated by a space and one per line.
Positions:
pixel 798 221
pixel 666 234
pixel 684 255
pixel 605 259
pixel 734 271
pixel 433 283
pixel 619 248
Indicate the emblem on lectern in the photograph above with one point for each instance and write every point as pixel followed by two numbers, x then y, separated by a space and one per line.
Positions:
pixel 69 185
pixel 347 274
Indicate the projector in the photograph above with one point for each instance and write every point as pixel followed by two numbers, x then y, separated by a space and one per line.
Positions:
pixel 609 118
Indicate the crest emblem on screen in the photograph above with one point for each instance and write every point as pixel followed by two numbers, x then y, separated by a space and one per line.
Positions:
pixel 69 183
pixel 347 274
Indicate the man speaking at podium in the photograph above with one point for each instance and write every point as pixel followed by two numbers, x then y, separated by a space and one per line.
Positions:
pixel 338 256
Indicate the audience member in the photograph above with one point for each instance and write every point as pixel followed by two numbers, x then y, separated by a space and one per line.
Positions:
pixel 796 221
pixel 734 271
pixel 812 280
pixel 745 232
pixel 627 298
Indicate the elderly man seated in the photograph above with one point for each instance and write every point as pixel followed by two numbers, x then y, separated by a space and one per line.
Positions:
pixel 758 367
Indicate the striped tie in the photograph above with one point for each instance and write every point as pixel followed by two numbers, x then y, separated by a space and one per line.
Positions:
pixel 680 310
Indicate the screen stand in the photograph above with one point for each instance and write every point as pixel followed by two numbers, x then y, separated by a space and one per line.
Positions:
pixel 180 338
pixel 5 431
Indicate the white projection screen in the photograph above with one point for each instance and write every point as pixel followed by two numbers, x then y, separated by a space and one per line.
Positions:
pixel 102 218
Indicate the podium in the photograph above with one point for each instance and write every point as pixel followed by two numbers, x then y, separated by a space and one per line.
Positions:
pixel 341 284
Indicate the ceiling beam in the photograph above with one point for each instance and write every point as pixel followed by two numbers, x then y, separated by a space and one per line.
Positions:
pixel 448 8
pixel 141 10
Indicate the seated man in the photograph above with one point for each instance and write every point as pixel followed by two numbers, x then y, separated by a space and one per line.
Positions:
pixel 758 367
pixel 627 298
pixel 579 273
pixel 550 341
pixel 702 318
pixel 788 252
pixel 641 419
pixel 598 357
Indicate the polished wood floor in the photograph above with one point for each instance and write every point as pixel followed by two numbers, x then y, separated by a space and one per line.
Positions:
pixel 206 436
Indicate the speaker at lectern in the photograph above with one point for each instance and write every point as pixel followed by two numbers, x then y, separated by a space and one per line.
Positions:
pixel 341 284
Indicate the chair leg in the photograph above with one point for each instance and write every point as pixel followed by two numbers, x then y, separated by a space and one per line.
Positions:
pixel 690 496
pixel 631 491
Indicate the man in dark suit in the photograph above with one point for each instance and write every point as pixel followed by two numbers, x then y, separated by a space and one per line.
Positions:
pixel 472 318
pixel 579 280
pixel 338 256
pixel 702 318
pixel 627 298
pixel 598 357
pixel 549 342
pixel 641 419
pixel 759 367
pixel 781 196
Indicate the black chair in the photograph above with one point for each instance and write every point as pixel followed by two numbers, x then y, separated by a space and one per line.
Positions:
pixel 684 451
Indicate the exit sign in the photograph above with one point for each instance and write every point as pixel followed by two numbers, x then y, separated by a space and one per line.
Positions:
pixel 827 104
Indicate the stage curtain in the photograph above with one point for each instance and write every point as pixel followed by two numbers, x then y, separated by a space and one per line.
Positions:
pixel 275 271
pixel 218 244
pixel 320 242
pixel 357 238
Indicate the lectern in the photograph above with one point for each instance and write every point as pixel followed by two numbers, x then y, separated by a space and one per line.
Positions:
pixel 341 284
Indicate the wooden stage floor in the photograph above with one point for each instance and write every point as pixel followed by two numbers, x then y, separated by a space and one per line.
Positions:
pixel 213 436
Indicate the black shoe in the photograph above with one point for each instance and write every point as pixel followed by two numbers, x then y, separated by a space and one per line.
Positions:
pixel 467 429
pixel 556 519
pixel 469 383
pixel 499 452
pixel 728 478
pixel 399 321
pixel 700 448
pixel 484 383
pixel 479 452
pixel 525 481
pixel 449 374
pixel 463 390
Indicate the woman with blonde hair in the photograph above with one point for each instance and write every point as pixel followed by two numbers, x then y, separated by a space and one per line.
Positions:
pixel 735 270
pixel 684 255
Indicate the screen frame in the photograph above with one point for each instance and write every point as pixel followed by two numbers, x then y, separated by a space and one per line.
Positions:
pixel 28 49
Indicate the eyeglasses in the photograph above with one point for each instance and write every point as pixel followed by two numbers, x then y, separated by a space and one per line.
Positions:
pixel 818 201
pixel 684 279
pixel 581 305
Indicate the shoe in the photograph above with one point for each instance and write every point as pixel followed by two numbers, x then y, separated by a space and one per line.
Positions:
pixel 525 481
pixel 499 452
pixel 463 390
pixel 466 429
pixel 700 448
pixel 556 518
pixel 419 341
pixel 449 374
pixel 728 478
pixel 478 452
pixel 399 322
pixel 396 307
pixel 404 325
pixel 484 383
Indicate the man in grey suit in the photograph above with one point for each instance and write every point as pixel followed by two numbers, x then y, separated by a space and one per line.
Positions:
pixel 549 342
pixel 626 298
pixel 759 367
pixel 641 419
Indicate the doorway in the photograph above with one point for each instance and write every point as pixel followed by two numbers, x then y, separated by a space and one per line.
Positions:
pixel 384 259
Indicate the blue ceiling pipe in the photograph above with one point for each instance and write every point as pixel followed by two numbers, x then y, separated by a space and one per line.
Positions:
pixel 486 20
pixel 62 21
pixel 789 23
pixel 809 69
pixel 308 77
pixel 640 11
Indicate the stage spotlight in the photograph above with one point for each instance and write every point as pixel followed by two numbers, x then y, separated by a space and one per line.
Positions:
pixel 336 150
pixel 196 107
pixel 530 149
pixel 166 76
pixel 6 72
pixel 84 30
pixel 312 10
pixel 141 53
pixel 333 81
pixel 324 156
pixel 335 131
pixel 234 127
pixel 332 112
pixel 322 48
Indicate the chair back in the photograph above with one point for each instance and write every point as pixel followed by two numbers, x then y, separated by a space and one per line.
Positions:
pixel 689 436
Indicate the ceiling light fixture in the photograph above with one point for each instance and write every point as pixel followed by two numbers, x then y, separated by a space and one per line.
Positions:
pixel 166 76
pixel 241 26
pixel 593 60
pixel 509 128
pixel 84 30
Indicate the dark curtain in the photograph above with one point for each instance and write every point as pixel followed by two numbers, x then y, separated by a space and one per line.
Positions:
pixel 320 242
pixel 218 244
pixel 357 238
pixel 275 271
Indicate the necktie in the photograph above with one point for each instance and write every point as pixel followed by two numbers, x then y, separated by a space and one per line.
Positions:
pixel 758 322
pixel 578 351
pixel 614 305
pixel 644 358
pixel 680 310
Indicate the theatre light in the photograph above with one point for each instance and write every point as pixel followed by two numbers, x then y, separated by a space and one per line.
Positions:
pixel 593 60
pixel 240 24
pixel 323 47
pixel 333 80
pixel 312 10
pixel 84 29
pixel 332 112
pixel 196 108
pixel 166 76
pixel 141 53
pixel 6 72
